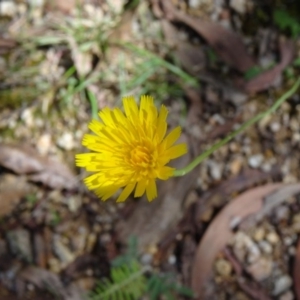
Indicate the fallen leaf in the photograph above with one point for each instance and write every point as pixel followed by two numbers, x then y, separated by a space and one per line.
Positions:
pixel 191 57
pixel 216 197
pixel 6 45
pixel 23 159
pixel 46 280
pixel 227 44
pixel 12 190
pixel 220 230
pixel 267 79
pixel 65 6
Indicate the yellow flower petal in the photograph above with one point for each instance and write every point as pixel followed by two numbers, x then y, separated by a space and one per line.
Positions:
pixel 176 151
pixel 126 192
pixel 151 190
pixel 172 137
pixel 140 188
pixel 129 150
pixel 161 123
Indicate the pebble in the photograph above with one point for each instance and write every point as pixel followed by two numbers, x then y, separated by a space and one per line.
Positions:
pixel 287 296
pixel 90 242
pixel 238 5
pixel 265 247
pixel 281 284
pixel 54 265
pixel 74 203
pixel 215 170
pixel 19 243
pixel 36 3
pixel 272 237
pixel 44 143
pixel 236 165
pixel 8 8
pixel 146 258
pixel 275 126
pixel 296 223
pixel 63 253
pixel 261 269
pixel 223 267
pixel 255 161
pixel 172 259
pixel 259 234
pixel 27 117
pixel 282 213
pixel 66 141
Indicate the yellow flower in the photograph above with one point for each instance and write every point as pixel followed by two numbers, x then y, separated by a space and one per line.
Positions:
pixel 130 151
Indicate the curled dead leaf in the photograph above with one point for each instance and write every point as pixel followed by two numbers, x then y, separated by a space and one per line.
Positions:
pixel 220 230
pixel 227 44
pixel 12 190
pixel 267 79
pixel 23 159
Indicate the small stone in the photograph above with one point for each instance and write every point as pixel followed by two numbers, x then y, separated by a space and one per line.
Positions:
pixel 261 269
pixel 223 267
pixel 275 126
pixel 282 213
pixel 74 203
pixel 259 234
pixel 288 241
pixel 254 253
pixel 215 170
pixel 172 259
pixel 147 259
pixel 194 3
pixel 234 147
pixel 266 167
pixel 66 141
pixel 272 237
pixel 8 8
pixel 44 143
pixel 282 284
pixel 54 265
pixel 265 247
pixel 63 252
pixel 91 241
pixel 287 296
pixel 27 116
pixel 239 6
pixel 19 243
pixel 296 223
pixel 255 161
pixel 36 3
pixel 236 165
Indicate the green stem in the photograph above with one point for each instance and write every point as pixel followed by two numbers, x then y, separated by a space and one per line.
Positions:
pixel 247 124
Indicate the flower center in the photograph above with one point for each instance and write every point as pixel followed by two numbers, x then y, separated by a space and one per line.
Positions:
pixel 140 156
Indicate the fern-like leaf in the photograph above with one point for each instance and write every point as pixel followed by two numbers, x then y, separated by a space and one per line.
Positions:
pixel 165 285
pixel 127 283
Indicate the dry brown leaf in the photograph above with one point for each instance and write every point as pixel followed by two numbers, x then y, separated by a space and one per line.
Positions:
pixel 6 45
pixel 193 220
pixel 227 44
pixel 46 280
pixel 23 159
pixel 220 230
pixel 12 190
pixel 191 57
pixel 65 6
pixel 267 79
